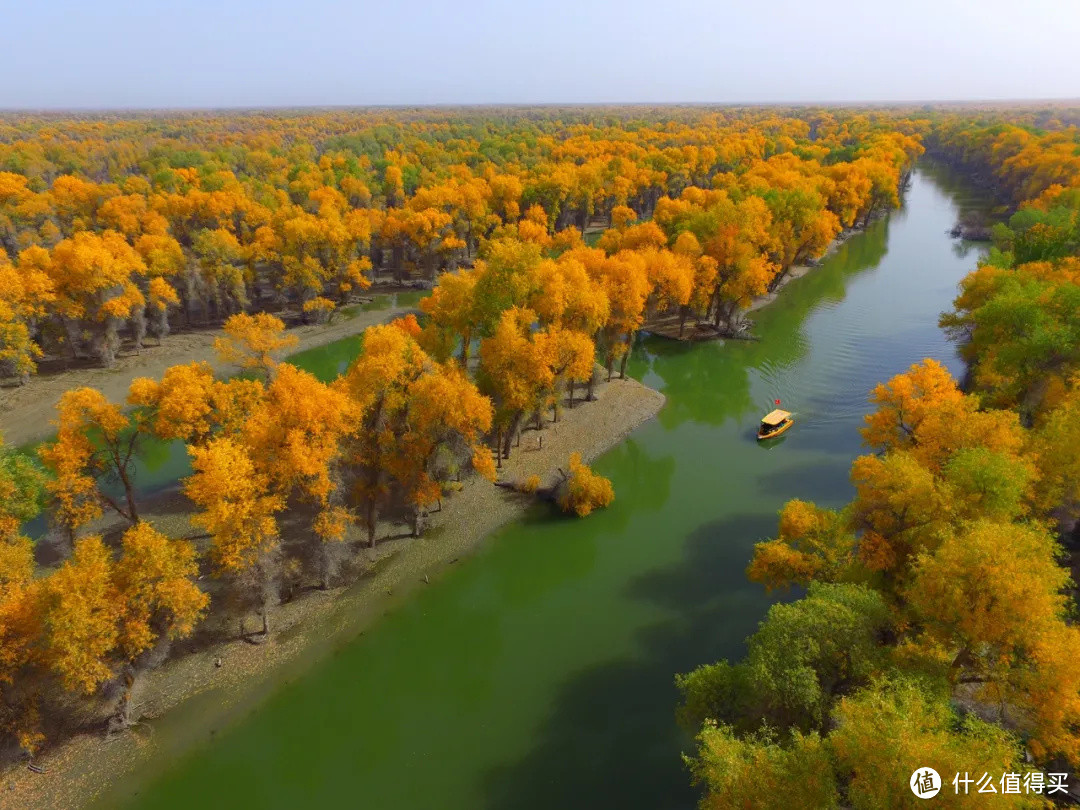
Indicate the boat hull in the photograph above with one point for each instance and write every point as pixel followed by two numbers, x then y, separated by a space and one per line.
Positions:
pixel 761 437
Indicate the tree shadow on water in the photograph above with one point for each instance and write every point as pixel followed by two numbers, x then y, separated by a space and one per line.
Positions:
pixel 611 739
pixel 822 482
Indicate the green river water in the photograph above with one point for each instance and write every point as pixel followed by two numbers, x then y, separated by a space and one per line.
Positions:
pixel 539 673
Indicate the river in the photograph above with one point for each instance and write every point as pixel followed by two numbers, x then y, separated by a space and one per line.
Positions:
pixel 539 673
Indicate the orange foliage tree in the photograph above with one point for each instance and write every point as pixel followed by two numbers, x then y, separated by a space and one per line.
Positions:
pixel 254 342
pixel 237 510
pixel 582 490
pixel 95 440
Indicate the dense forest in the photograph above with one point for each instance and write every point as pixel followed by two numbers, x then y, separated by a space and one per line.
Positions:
pixel 938 618
pixel 118 228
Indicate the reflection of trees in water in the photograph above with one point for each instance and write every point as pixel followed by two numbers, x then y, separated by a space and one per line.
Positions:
pixel 962 248
pixel 549 550
pixel 960 190
pixel 610 738
pixel 705 383
pixel 863 251
pixel 709 382
pixel 642 482
pixel 552 549
pixel 970 201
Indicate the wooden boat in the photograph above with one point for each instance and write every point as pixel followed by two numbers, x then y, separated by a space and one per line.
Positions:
pixel 773 424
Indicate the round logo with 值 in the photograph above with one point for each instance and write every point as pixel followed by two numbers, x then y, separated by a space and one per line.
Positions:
pixel 925 783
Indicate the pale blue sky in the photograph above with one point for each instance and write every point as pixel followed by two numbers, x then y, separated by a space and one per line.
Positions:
pixel 214 53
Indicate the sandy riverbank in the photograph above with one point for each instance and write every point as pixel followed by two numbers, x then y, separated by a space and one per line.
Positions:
pixel 310 626
pixel 27 411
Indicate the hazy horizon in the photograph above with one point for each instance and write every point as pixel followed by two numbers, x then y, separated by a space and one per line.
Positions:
pixel 199 55
pixel 942 102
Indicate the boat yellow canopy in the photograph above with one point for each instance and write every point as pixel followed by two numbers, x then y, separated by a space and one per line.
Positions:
pixel 775 418
pixel 773 424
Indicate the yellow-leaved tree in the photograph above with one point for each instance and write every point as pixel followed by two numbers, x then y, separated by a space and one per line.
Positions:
pixel 95 440
pixel 159 602
pixel 581 490
pixel 237 509
pixel 254 342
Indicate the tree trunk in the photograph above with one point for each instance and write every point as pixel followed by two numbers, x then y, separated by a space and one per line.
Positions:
pixel 371 523
pixel 717 311
pixel 138 328
pixel 123 709
pixel 398 261
pixel 466 339
pixel 129 491
pixel 418 520
pixel 71 333
pixel 511 430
